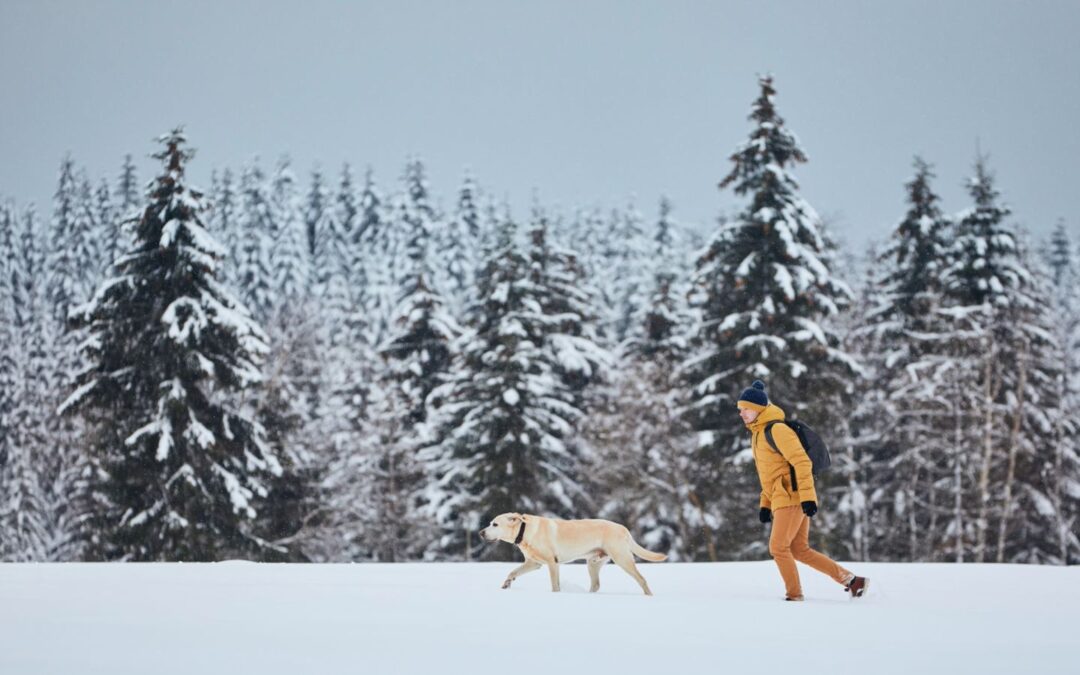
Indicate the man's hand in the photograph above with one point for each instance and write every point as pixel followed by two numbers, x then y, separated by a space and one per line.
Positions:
pixel 764 515
pixel 809 508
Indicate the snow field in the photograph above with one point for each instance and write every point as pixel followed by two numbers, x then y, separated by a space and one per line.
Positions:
pixel 239 617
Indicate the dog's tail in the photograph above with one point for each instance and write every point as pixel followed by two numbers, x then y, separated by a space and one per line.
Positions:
pixel 644 553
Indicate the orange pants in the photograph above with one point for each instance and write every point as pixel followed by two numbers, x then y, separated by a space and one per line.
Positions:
pixel 790 541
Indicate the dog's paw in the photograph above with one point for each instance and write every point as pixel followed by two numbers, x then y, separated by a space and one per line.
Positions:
pixel 506 584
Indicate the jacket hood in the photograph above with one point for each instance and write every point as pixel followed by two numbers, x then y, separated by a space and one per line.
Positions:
pixel 771 413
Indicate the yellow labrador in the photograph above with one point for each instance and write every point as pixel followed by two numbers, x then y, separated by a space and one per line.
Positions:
pixel 551 542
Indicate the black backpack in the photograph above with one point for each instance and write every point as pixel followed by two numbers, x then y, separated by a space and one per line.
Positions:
pixel 815 448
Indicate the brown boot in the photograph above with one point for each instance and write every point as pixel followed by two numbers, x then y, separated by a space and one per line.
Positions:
pixel 857 586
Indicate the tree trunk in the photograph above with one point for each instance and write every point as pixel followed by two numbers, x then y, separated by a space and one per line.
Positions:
pixel 958 482
pixel 987 455
pixel 1014 439
pixel 710 545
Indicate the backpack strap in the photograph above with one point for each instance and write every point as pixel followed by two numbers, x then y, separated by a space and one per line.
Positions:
pixel 769 436
pixel 772 443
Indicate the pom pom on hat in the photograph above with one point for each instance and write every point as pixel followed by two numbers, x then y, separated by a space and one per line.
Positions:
pixel 754 397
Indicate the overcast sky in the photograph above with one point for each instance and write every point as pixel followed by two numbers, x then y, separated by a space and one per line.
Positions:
pixel 587 102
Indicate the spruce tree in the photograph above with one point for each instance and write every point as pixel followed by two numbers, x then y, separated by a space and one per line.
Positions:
pixel 224 223
pixel 289 259
pixel 288 401
pixel 330 263
pixel 631 270
pixel 183 470
pixel 766 295
pixel 26 528
pixel 417 354
pixel 902 337
pixel 458 246
pixel 644 445
pixel 422 331
pixel 376 255
pixel 1064 470
pixel 345 205
pixel 504 431
pixel 254 279
pixel 660 324
pixel 10 279
pixel 128 195
pixel 63 286
pixel 997 304
pixel 84 241
pixel 566 304
pixel 106 229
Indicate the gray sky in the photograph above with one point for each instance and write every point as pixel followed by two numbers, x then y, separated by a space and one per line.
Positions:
pixel 587 102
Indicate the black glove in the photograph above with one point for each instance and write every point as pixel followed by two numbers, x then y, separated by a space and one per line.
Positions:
pixel 764 515
pixel 809 508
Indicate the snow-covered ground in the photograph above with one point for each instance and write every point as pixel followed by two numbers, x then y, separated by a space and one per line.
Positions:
pixel 238 617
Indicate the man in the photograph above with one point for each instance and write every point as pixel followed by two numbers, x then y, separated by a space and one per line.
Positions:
pixel 788 498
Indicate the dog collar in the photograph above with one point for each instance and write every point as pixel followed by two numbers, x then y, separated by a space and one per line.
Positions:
pixel 521 534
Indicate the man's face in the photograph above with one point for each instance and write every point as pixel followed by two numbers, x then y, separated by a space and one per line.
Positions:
pixel 747 415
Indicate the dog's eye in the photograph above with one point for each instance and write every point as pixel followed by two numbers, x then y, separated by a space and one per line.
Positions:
pixel 493 524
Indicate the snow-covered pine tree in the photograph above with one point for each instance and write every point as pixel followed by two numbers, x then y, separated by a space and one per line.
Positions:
pixel 997 412
pixel 984 260
pixel 69 267
pixel 315 204
pixel 387 253
pixel 287 403
pixel 1032 510
pixel 422 331
pixel 10 281
pixel 289 258
pixel 330 266
pixel 902 339
pixel 63 287
pixel 24 528
pixel 644 443
pixel 345 204
pixel 369 267
pixel 128 194
pixel 417 353
pixel 766 295
pixel 182 470
pixel 125 202
pixel 84 241
pixel 333 530
pixel 566 302
pixel 1064 490
pixel 459 247
pixel 346 220
pixel 254 280
pixel 105 229
pixel 504 431
pixel 343 382
pixel 631 278
pixel 661 323
pixel 851 523
pixel 224 223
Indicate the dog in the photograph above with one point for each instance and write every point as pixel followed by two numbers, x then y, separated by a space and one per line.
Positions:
pixel 551 542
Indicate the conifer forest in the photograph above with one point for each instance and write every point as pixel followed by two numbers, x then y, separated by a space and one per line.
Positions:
pixel 354 364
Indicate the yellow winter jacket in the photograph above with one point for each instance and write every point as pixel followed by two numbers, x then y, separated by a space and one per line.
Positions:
pixel 774 468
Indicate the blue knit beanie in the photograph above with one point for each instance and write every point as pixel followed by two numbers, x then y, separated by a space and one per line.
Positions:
pixel 754 397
